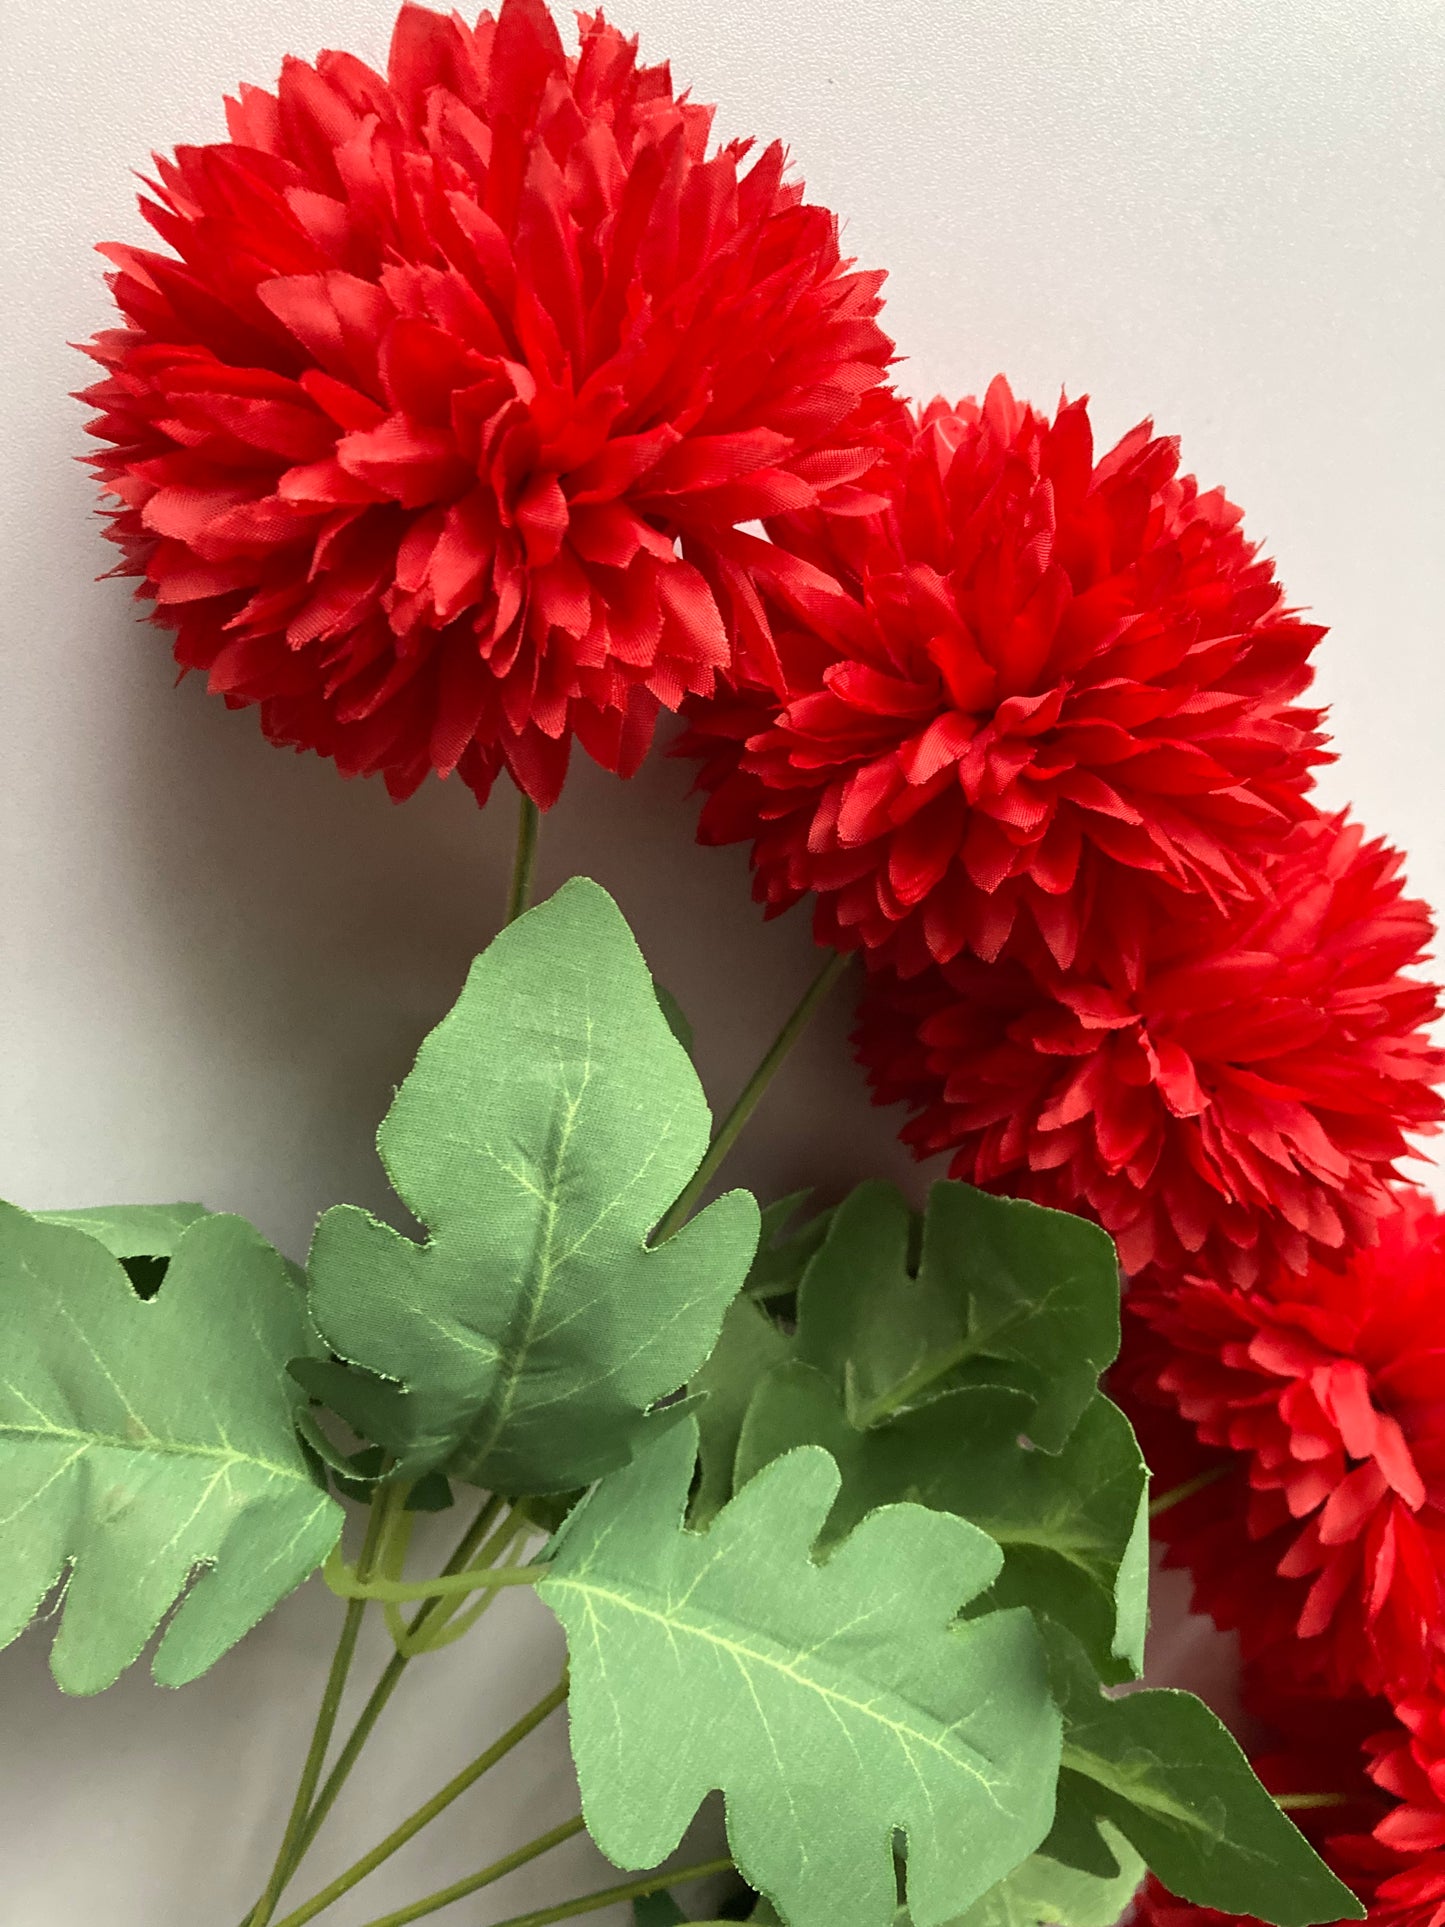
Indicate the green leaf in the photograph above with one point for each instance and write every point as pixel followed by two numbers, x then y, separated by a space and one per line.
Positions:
pixel 1167 1774
pixel 986 1291
pixel 1044 1893
pixel 142 1236
pixel 657 1910
pixel 833 1704
pixel 783 1256
pixel 748 1346
pixel 551 1119
pixel 897 1321
pixel 142 1443
pixel 676 1017
pixel 130 1230
pixel 1066 1521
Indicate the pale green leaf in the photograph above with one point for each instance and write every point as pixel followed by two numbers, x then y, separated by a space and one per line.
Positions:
pixel 1162 1769
pixel 834 1704
pixel 1044 1893
pixel 1065 1520
pixel 144 1443
pixel 550 1121
pixel 985 1291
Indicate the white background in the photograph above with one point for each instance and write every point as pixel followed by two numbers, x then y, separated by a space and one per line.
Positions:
pixel 217 958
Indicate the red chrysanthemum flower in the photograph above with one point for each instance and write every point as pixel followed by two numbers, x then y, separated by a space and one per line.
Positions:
pixel 1236 1112
pixel 1033 686
pixel 1329 1547
pixel 1408 1761
pixel 435 439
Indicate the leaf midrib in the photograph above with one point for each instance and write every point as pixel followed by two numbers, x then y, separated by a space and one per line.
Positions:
pixel 740 1649
pixel 152 1443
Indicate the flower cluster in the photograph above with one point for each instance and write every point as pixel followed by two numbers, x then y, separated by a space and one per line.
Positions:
pixel 442 435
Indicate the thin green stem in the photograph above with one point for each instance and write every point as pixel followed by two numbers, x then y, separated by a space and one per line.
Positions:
pixel 751 1096
pixel 462 1624
pixel 589 1903
pixel 1303 1802
pixel 350 1585
pixel 520 894
pixel 291 1848
pixel 466 1549
pixel 459 1889
pixel 425 1814
pixel 1176 1495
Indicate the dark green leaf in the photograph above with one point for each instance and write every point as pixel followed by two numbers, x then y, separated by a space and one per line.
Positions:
pixel 550 1121
pixel 676 1018
pixel 833 1704
pixel 1066 1521
pixel 143 1443
pixel 1167 1774
pixel 657 1910
pixel 989 1291
pixel 783 1256
pixel 747 1347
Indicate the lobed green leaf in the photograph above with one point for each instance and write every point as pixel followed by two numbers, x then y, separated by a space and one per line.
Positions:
pixel 550 1120
pixel 143 1443
pixel 834 1704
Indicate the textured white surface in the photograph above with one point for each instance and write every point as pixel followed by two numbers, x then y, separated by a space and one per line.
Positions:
pixel 217 959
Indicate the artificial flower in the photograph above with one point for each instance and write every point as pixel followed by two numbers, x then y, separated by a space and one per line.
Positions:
pixel 1033 689
pixel 433 434
pixel 1237 1111
pixel 1323 1541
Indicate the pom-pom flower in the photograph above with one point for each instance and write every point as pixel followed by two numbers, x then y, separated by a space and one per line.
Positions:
pixel 1033 688
pixel 435 438
pixel 1236 1112
pixel 1330 1393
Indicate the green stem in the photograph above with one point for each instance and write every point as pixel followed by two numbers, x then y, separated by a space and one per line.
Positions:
pixel 589 1903
pixel 1176 1495
pixel 1302 1802
pixel 424 1815
pixel 466 1549
pixel 461 1888
pixel 520 894
pixel 727 1132
pixel 291 1848
pixel 350 1585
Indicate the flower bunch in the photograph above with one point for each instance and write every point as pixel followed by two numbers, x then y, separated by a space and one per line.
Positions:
pixel 486 405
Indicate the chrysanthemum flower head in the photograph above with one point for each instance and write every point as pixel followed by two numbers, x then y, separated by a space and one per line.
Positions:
pixel 1328 1392
pixel 1237 1110
pixel 434 432
pixel 1034 689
